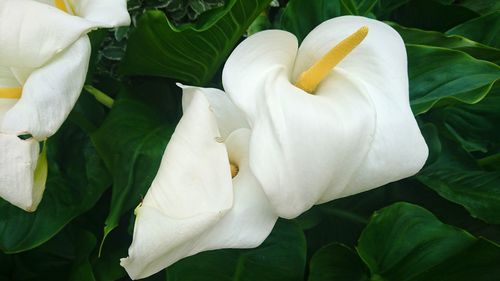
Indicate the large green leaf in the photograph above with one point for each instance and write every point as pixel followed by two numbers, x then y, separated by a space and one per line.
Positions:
pixel 413 241
pixel 358 7
pixel 439 75
pixel 106 266
pixel 384 8
pixel 132 140
pixel 430 15
pixel 481 6
pixel 484 29
pixel 77 178
pixel 456 176
pixel 63 258
pixel 302 16
pixel 193 52
pixel 81 270
pixel 437 39
pixel 473 126
pixel 280 258
pixel 406 242
pixel 339 263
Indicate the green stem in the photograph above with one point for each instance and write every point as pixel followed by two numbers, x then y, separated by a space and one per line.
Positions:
pixel 100 96
pixel 489 160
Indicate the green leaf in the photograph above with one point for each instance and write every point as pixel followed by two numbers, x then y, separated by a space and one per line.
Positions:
pixel 456 176
pixel 280 258
pixel 77 178
pixel 63 258
pixel 446 2
pixel 437 39
pixel 260 23
pixel 473 126
pixel 106 266
pixel 430 133
pixel 484 29
pixel 132 140
pixel 430 15
pixel 384 8
pixel 302 16
pixel 406 242
pixel 337 262
pixel 358 7
pixel 481 6
pixel 365 7
pixel 350 6
pixel 444 76
pixel 479 262
pixel 413 241
pixel 192 52
pixel 198 7
pixel 82 269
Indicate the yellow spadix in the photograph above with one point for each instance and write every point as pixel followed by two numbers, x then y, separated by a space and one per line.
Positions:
pixel 310 79
pixel 11 93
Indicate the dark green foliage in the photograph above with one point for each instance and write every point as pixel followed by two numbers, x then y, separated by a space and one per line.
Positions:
pixel 189 53
pixel 280 258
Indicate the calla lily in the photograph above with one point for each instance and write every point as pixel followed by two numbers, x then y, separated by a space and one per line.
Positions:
pixel 204 196
pixel 43 63
pixel 329 119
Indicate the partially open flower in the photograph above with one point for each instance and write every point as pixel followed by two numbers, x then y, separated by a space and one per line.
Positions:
pixel 204 196
pixel 43 64
pixel 329 119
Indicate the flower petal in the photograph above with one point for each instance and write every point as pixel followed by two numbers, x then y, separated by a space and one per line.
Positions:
pixel 303 145
pixel 250 64
pixel 107 13
pixel 380 64
pixel 229 117
pixel 190 193
pixel 18 162
pixel 195 165
pixel 6 105
pixel 7 80
pixel 22 73
pixel 188 208
pixel 50 93
pixel 25 24
pixel 39 178
pixel 252 217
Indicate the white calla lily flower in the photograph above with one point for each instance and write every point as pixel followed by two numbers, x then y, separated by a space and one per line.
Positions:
pixel 204 196
pixel 326 123
pixel 43 64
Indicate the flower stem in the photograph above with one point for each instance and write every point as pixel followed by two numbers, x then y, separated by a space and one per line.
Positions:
pixel 100 96
pixel 489 160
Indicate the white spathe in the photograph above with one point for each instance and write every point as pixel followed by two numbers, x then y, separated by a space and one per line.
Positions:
pixel 18 162
pixel 45 51
pixel 49 93
pixel 193 204
pixel 355 133
pixel 32 32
